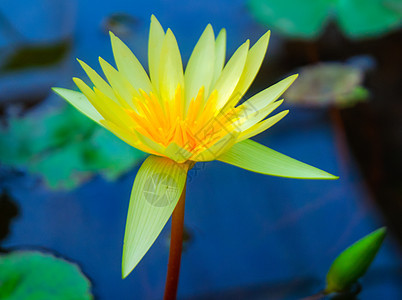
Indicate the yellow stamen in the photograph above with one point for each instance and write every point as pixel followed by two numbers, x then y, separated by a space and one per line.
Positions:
pixel 164 121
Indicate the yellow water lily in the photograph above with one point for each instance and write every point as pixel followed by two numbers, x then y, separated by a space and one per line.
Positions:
pixel 181 118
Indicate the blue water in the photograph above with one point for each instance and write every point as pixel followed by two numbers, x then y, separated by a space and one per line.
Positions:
pixel 247 230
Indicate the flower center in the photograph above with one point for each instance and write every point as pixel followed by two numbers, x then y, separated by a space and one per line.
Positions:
pixel 193 128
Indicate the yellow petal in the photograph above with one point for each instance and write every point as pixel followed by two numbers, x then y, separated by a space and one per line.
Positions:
pixel 231 74
pixel 200 66
pixel 98 81
pixel 220 53
pixel 121 133
pixel 255 157
pixel 170 68
pixel 129 66
pixel 91 96
pixel 156 191
pixel 130 137
pixel 119 84
pixel 80 102
pixel 268 95
pixel 158 148
pixel 254 60
pixel 250 118
pixel 177 153
pixel 156 37
pixel 220 147
pixel 106 107
pixel 262 126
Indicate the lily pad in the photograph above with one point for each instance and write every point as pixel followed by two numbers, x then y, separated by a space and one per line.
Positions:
pixel 307 19
pixel 327 84
pixel 65 147
pixel 30 275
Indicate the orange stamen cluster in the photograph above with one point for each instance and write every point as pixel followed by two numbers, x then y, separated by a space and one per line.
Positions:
pixel 194 129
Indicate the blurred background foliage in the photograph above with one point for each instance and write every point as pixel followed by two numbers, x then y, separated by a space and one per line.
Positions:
pixel 65 148
pixel 307 19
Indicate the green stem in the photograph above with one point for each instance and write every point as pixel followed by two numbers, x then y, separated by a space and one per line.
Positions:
pixel 176 243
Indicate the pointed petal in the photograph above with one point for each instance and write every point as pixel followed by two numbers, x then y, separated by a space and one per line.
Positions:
pixel 200 66
pixel 268 95
pixel 170 68
pixel 220 54
pixel 123 89
pixel 156 147
pixel 254 60
pixel 156 37
pixel 262 126
pixel 127 136
pixel 250 118
pixel 98 81
pixel 129 66
pixel 122 134
pixel 177 153
pixel 104 105
pixel 230 75
pixel 255 157
pixel 211 153
pixel 80 102
pixel 156 190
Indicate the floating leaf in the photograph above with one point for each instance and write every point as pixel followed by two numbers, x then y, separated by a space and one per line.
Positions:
pixel 63 168
pixel 360 18
pixel 65 147
pixel 356 18
pixel 352 263
pixel 327 84
pixel 34 275
pixel 110 155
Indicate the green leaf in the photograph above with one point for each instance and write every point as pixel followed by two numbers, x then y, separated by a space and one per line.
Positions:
pixel 352 263
pixel 109 155
pixel 361 18
pixel 36 276
pixel 156 191
pixel 284 16
pixel 65 147
pixel 255 157
pixel 356 18
pixel 63 168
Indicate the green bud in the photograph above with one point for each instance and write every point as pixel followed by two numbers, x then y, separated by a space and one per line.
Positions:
pixel 353 262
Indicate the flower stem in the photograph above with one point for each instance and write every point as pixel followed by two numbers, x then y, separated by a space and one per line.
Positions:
pixel 176 243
